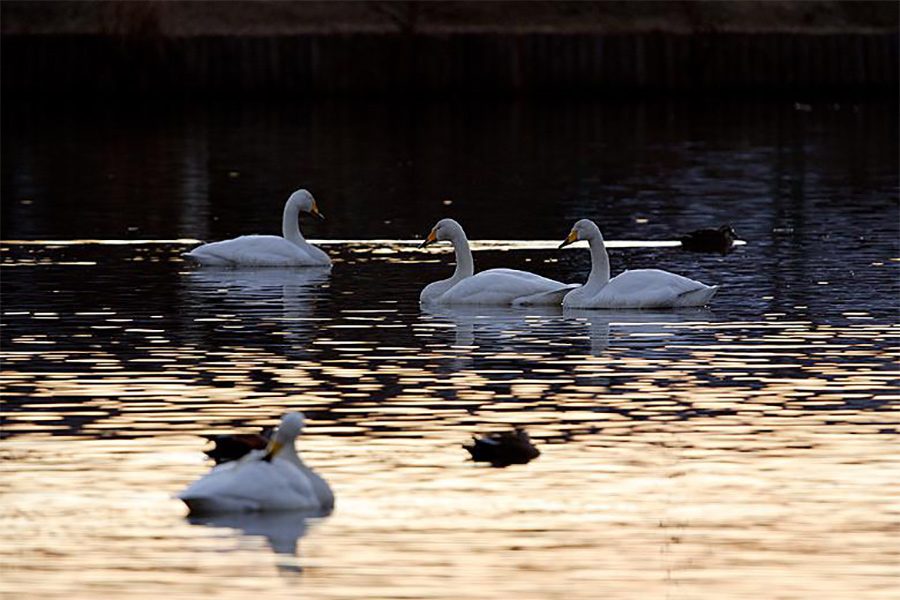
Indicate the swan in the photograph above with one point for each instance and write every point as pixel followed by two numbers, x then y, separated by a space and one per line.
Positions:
pixel 641 288
pixel 289 250
pixel 494 287
pixel 263 480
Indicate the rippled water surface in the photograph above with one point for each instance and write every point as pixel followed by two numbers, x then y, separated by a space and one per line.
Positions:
pixel 747 450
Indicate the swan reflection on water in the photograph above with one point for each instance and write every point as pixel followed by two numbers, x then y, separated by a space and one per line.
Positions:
pixel 257 297
pixel 502 327
pixel 282 530
pixel 258 284
pixel 652 326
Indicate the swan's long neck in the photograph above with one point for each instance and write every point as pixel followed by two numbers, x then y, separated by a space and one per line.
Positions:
pixel 465 265
pixel 599 276
pixel 289 452
pixel 290 225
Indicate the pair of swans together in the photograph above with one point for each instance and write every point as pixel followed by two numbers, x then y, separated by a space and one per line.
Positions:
pixel 640 288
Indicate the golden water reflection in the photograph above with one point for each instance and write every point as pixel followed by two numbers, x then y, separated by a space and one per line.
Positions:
pixel 724 453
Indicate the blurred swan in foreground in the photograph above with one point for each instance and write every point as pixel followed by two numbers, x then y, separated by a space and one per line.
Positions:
pixel 494 287
pixel 640 288
pixel 263 480
pixel 289 250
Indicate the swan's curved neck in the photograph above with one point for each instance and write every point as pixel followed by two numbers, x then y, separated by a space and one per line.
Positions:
pixel 290 225
pixel 599 276
pixel 465 265
pixel 289 452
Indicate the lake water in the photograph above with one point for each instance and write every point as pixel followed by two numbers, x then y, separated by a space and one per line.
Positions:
pixel 747 450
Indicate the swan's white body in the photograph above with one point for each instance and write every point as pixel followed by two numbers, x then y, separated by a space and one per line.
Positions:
pixel 494 287
pixel 288 250
pixel 271 480
pixel 641 288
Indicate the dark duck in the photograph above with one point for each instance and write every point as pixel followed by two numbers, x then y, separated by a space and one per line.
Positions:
pixel 503 449
pixel 710 240
pixel 234 446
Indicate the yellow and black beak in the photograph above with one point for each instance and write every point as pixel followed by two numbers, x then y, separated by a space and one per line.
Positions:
pixel 571 238
pixel 315 210
pixel 273 449
pixel 432 238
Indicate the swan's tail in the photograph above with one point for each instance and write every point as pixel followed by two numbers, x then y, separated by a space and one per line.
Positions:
pixel 551 298
pixel 699 297
pixel 207 259
pixel 206 505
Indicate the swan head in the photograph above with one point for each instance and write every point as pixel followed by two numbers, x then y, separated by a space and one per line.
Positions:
pixel 444 230
pixel 585 229
pixel 291 425
pixel 304 201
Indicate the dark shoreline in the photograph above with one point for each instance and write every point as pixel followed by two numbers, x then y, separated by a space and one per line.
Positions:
pixel 479 64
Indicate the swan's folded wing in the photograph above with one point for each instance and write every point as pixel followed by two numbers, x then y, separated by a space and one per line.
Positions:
pixel 224 491
pixel 499 287
pixel 321 489
pixel 245 485
pixel 648 288
pixel 249 250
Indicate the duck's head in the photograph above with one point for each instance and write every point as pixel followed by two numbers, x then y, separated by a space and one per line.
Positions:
pixel 304 201
pixel 585 229
pixel 728 232
pixel 445 229
pixel 291 425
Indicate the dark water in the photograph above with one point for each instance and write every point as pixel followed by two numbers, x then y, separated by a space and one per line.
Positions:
pixel 712 453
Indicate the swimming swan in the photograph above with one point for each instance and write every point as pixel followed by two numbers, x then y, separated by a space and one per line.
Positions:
pixel 264 480
pixel 641 288
pixel 494 287
pixel 289 250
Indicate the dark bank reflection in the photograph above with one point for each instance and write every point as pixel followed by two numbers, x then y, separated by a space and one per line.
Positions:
pixel 384 171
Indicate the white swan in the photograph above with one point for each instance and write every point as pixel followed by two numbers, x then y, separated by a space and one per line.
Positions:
pixel 494 287
pixel 641 288
pixel 289 250
pixel 264 480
